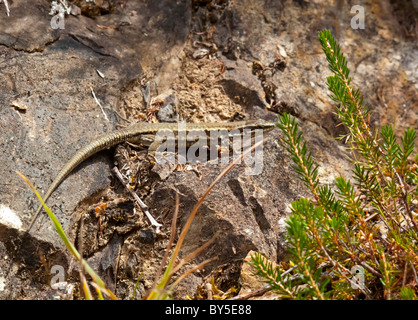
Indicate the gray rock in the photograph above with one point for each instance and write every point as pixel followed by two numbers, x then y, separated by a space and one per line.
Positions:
pixel 264 58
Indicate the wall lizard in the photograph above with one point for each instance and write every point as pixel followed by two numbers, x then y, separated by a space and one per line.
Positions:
pixel 134 132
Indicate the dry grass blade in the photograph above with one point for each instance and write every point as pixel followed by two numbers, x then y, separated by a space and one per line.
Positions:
pixel 170 242
pixel 184 275
pixel 199 203
pixel 86 289
pixel 194 254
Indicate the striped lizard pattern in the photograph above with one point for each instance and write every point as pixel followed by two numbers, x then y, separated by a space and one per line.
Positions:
pixel 135 131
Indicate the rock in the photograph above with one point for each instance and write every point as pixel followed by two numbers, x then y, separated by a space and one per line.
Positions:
pixel 210 62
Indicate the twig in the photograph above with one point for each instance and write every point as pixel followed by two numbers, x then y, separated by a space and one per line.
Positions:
pixel 194 254
pixel 140 202
pixel 122 117
pixel 209 189
pixel 368 218
pixel 186 227
pixel 254 293
pixel 97 101
pixel 7 7
pixel 64 4
pixel 100 74
pixel 405 200
pixel 190 271
pixel 404 274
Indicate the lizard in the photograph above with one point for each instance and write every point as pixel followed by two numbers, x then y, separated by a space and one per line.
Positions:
pixel 134 133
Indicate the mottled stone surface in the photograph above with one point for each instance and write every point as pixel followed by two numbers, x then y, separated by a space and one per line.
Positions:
pixel 216 60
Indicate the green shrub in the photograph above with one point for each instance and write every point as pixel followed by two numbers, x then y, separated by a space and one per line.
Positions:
pixel 366 230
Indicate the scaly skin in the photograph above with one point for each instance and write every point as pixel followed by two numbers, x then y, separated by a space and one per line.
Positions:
pixel 134 131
